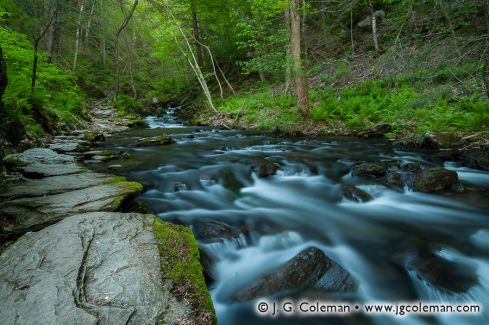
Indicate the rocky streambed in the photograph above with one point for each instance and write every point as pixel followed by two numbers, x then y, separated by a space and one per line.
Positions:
pixel 325 219
pixel 70 255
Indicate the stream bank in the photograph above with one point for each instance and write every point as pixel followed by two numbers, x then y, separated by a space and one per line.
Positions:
pixel 71 253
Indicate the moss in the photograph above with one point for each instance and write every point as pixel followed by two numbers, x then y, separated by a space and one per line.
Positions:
pixel 127 190
pixel 180 263
pixel 138 124
pixel 93 137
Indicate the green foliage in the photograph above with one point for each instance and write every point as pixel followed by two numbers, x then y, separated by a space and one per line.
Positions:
pixel 57 99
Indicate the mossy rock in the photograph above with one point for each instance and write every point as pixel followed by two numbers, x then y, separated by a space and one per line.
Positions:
pixel 352 193
pixel 180 263
pixel 434 180
pixel 93 137
pixel 155 141
pixel 138 124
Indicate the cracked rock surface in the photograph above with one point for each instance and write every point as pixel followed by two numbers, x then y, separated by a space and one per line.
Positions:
pixel 95 268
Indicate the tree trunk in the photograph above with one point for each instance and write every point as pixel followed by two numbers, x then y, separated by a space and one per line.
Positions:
pixel 131 61
pixel 485 74
pixel 288 57
pixel 89 23
pixel 50 38
pixel 374 28
pixel 3 85
pixel 297 68
pixel 117 50
pixel 36 51
pixel 78 34
pixel 197 35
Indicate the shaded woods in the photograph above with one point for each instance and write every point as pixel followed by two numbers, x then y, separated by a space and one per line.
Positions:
pixel 291 66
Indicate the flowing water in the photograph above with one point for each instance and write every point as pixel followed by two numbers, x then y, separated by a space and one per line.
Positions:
pixel 301 206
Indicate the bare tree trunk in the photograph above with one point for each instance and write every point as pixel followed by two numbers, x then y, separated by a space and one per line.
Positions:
pixel 50 36
pixel 190 57
pixel 36 51
pixel 117 50
pixel 485 74
pixel 351 31
pixel 297 68
pixel 131 75
pixel 288 57
pixel 374 28
pixel 197 35
pixel 261 74
pixel 89 23
pixel 78 34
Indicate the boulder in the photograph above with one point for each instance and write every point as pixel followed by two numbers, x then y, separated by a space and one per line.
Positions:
pixel 264 168
pixel 42 162
pixel 94 136
pixel 230 181
pixel 434 180
pixel 155 141
pixel 213 231
pixel 28 214
pixel 367 169
pixel 442 274
pixel 138 124
pixel 477 159
pixel 352 193
pixel 99 268
pixel 445 140
pixel 54 185
pixel 308 269
pixel 378 131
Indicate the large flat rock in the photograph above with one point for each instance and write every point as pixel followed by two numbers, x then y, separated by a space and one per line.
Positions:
pixel 42 162
pixel 96 268
pixel 54 185
pixel 37 212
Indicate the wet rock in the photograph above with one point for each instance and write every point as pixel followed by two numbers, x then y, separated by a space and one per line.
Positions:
pixel 445 155
pixel 378 131
pixel 65 147
pixel 264 168
pixel 138 124
pixel 445 140
pixel 230 181
pixel 208 260
pixel 444 275
pixel 477 159
pixel 155 141
pixel 213 231
pixel 94 136
pixel 308 269
pixel 180 186
pixel 42 162
pixel 97 268
pixel 336 279
pixel 393 178
pixel 37 212
pixel 434 179
pixel 412 167
pixel 54 185
pixel 367 169
pixel 352 193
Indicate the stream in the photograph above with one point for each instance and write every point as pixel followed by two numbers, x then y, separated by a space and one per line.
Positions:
pixel 206 175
